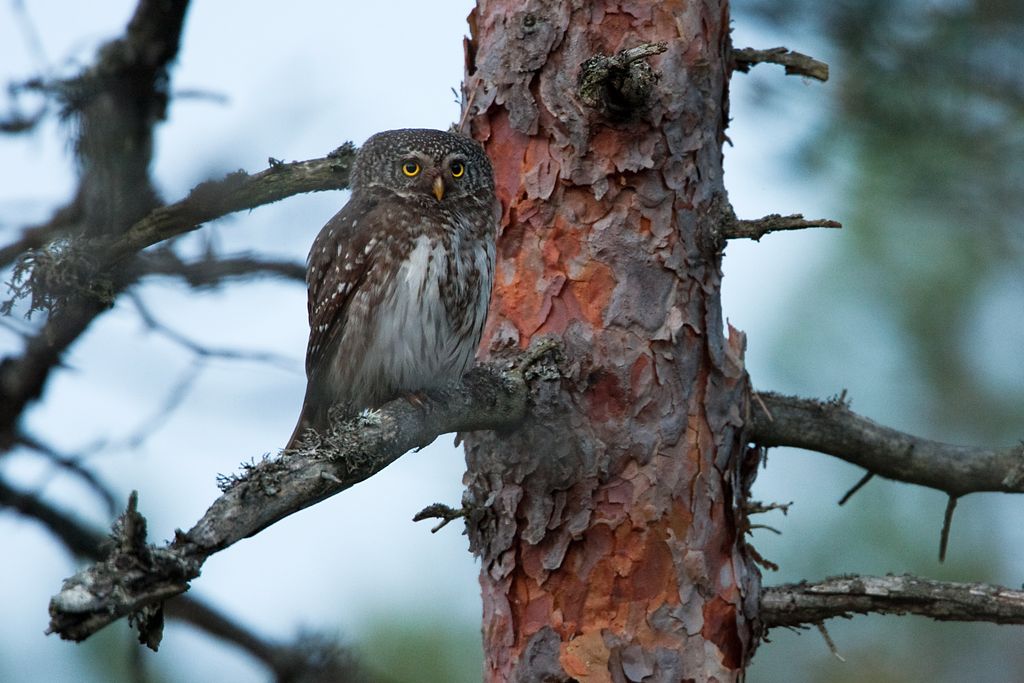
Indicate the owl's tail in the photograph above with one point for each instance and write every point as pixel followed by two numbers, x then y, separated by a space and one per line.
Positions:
pixel 301 426
pixel 313 416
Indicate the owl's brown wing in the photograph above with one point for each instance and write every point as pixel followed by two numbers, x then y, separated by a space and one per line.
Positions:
pixel 336 269
pixel 337 266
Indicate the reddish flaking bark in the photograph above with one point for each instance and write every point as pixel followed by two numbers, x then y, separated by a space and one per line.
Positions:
pixel 606 526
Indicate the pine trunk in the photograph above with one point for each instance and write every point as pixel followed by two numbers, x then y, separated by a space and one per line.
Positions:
pixel 609 526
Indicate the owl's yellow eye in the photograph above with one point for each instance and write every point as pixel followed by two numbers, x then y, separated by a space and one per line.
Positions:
pixel 411 169
pixel 458 169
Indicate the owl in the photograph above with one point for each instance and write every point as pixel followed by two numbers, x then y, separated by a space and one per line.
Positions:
pixel 399 279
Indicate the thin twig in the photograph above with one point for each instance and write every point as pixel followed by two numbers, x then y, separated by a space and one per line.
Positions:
pixel 213 270
pixel 72 464
pixel 947 522
pixel 856 487
pixel 440 511
pixel 235 192
pixel 828 640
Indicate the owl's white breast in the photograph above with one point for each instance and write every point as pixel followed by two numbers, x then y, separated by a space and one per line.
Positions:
pixel 413 337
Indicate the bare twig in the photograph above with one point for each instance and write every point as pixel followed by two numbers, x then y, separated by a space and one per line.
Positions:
pixel 199 349
pixel 756 507
pixel 831 427
pixel 947 522
pixel 828 641
pixel 72 464
pixel 856 487
pixel 445 513
pixel 795 62
pixel 805 603
pixel 76 537
pixel 759 227
pixel 212 270
pixel 140 577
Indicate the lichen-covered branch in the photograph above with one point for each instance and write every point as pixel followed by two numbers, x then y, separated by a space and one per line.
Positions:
pixel 136 578
pixel 831 427
pixel 794 62
pixel 801 604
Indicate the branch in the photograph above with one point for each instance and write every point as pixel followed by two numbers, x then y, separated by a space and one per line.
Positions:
pixel 798 604
pixel 759 227
pixel 795 62
pixel 22 378
pixel 237 191
pixel 831 427
pixel 212 270
pixel 136 578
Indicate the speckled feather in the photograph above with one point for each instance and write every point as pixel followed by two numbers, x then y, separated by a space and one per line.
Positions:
pixel 399 281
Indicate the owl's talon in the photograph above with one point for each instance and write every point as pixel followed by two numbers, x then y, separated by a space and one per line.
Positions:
pixel 417 399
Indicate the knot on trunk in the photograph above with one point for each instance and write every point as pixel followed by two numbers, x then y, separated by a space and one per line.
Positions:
pixel 619 86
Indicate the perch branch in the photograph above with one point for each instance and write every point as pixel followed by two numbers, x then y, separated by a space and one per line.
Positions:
pixel 795 62
pixel 801 604
pixel 757 228
pixel 831 427
pixel 137 577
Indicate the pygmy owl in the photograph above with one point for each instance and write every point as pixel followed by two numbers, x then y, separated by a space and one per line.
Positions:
pixel 399 280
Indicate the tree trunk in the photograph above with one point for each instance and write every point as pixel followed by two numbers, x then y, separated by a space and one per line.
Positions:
pixel 610 526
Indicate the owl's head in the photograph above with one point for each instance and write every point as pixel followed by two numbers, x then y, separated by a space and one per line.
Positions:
pixel 420 162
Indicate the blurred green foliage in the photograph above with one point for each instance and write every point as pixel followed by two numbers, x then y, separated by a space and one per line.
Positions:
pixel 921 139
pixel 424 648
pixel 925 140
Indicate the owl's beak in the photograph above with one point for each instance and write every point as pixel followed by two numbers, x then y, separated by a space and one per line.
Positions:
pixel 438 187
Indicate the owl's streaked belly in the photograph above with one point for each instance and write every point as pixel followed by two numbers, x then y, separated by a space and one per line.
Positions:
pixel 411 341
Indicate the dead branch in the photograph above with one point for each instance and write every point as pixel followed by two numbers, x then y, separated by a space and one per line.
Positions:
pixel 795 62
pixel 800 604
pixel 831 427
pixel 757 228
pixel 213 270
pixel 308 655
pixel 136 578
